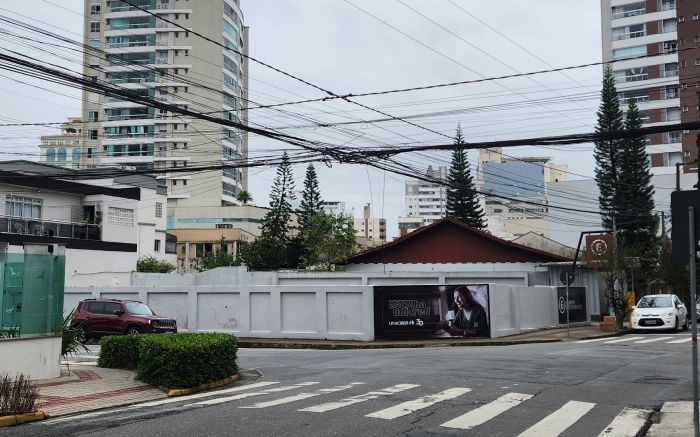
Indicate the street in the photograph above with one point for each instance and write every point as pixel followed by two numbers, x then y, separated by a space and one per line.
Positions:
pixel 568 389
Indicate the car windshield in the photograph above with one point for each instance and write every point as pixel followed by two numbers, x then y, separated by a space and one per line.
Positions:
pixel 655 302
pixel 139 309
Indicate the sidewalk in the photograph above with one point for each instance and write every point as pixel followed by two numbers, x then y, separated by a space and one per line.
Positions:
pixel 542 336
pixel 675 419
pixel 89 388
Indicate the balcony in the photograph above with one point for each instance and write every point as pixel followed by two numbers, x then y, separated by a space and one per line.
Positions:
pixel 629 35
pixel 49 228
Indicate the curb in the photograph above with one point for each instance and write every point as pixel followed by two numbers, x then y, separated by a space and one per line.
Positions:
pixel 22 418
pixel 202 387
pixel 612 334
pixel 369 345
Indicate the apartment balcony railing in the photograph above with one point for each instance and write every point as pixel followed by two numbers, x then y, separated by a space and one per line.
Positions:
pixel 631 13
pixel 671 73
pixel 629 35
pixel 49 228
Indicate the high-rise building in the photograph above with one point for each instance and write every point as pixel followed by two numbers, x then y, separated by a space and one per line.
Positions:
pixel 649 44
pixel 65 148
pixel 370 230
pixel 427 199
pixel 146 54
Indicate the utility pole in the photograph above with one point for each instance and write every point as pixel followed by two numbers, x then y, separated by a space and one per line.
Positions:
pixel 694 318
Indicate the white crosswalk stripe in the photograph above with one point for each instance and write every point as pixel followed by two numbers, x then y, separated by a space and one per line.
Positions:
pixel 251 394
pixel 682 340
pixel 592 340
pixel 322 408
pixel 628 423
pixel 623 339
pixel 559 421
pixel 418 404
pixel 207 394
pixel 652 340
pixel 487 412
pixel 302 396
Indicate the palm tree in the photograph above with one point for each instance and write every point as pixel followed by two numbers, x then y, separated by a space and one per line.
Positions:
pixel 244 197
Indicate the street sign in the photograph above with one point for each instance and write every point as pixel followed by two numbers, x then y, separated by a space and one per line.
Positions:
pixel 566 278
pixel 680 202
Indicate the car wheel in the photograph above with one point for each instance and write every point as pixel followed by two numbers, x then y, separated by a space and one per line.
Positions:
pixel 685 326
pixel 133 330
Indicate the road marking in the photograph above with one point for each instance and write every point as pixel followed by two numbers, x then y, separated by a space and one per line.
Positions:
pixel 418 404
pixel 322 408
pixel 651 340
pixel 682 340
pixel 251 394
pixel 487 412
pixel 207 394
pixel 302 396
pixel 592 340
pixel 629 422
pixel 620 340
pixel 559 421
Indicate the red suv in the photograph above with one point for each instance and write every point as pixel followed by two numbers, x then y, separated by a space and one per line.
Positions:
pixel 112 316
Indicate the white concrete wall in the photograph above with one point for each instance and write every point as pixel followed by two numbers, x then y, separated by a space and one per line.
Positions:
pixel 333 312
pixel 38 358
pixel 85 268
pixel 514 309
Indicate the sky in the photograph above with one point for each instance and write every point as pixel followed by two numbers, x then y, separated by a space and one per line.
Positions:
pixel 355 46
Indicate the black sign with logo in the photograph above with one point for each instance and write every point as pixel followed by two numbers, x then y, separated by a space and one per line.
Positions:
pixel 431 311
pixel 577 304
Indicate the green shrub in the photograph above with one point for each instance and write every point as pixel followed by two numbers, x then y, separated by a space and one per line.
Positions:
pixel 186 359
pixel 120 351
pixel 150 264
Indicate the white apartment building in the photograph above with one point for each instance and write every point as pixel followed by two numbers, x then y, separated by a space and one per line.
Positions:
pixel 427 199
pixel 646 41
pixel 140 51
pixel 370 230
pixel 65 148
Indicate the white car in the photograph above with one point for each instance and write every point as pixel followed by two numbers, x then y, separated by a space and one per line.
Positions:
pixel 660 311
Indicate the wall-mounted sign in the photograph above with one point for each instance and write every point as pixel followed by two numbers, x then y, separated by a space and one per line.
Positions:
pixel 431 311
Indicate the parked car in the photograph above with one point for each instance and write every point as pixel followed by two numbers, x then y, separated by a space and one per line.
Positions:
pixel 660 311
pixel 112 316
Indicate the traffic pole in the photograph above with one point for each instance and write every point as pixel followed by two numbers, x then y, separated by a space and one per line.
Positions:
pixel 693 305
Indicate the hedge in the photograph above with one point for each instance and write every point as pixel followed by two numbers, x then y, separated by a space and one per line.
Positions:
pixel 120 351
pixel 186 359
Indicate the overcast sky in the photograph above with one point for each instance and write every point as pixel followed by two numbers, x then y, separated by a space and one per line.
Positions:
pixel 337 46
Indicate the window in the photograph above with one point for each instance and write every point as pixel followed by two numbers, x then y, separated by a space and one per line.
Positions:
pixel 51 154
pixel 156 245
pixel 669 25
pixel 681 19
pixel 685 109
pixel 93 115
pixel 25 207
pixel 159 209
pixel 696 17
pixel 697 61
pixel 671 70
pixel 91 152
pixel 629 52
pixel 92 134
pixel 94 43
pixel 76 154
pixel 94 8
pixel 94 26
pixel 61 155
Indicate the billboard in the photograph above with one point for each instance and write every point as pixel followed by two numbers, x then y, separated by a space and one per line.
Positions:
pixel 597 247
pixel 577 304
pixel 431 311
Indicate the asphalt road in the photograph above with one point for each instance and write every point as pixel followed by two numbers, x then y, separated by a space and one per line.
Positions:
pixel 567 389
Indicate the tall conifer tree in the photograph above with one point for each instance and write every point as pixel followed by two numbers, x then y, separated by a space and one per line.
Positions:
pixel 607 151
pixel 462 201
pixel 276 222
pixel 311 203
pixel 635 195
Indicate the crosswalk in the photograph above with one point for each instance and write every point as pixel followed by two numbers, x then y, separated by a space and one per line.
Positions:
pixel 404 400
pixel 640 339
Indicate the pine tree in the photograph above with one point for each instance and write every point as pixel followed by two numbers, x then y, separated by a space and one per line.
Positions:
pixel 462 200
pixel 276 222
pixel 634 197
pixel 607 151
pixel 311 203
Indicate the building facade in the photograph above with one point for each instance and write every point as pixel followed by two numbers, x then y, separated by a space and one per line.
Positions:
pixel 649 44
pixel 370 230
pixel 427 199
pixel 64 149
pixel 137 49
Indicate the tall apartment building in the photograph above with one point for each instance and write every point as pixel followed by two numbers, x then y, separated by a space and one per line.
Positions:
pixel 65 148
pixel 142 52
pixel 370 230
pixel 427 199
pixel 665 83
